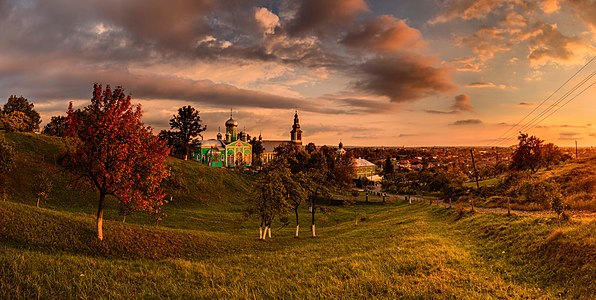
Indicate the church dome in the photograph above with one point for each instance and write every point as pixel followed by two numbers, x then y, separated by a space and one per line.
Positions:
pixel 231 122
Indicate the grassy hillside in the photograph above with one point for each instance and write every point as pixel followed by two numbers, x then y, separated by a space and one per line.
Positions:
pixel 395 251
pixel 206 248
pixel 202 187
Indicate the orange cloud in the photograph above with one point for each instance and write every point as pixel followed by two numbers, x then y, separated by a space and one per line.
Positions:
pixel 384 33
pixel 550 6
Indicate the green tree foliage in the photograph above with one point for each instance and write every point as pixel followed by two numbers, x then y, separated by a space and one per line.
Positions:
pixel 21 104
pixel 173 139
pixel 273 192
pixel 14 121
pixel 107 146
pixel 56 126
pixel 189 126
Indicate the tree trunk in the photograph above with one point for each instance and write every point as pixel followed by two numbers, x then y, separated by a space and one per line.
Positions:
pixel 102 198
pixel 269 229
pixel 449 202
pixel 261 231
pixel 37 204
pixel 265 233
pixel 297 224
pixel 313 217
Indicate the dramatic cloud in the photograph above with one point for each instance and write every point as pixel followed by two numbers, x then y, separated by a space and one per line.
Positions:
pixel 268 20
pixel 385 34
pixel 404 77
pixel 466 122
pixel 550 46
pixel 315 15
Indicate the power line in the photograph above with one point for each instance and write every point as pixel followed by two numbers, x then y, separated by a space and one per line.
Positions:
pixel 592 84
pixel 535 121
pixel 554 104
pixel 536 108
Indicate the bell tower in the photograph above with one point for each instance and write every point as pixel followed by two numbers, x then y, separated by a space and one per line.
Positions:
pixel 296 133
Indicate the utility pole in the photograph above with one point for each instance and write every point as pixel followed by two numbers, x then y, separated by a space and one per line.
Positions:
pixel 576 156
pixel 474 164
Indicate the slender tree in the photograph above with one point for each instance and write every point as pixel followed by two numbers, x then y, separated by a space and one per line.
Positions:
pixel 189 126
pixel 272 195
pixel 107 146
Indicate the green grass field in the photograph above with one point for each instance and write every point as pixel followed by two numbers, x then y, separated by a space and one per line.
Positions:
pixel 207 248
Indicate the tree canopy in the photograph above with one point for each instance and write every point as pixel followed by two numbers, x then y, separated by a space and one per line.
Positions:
pixel 189 126
pixel 107 146
pixel 21 104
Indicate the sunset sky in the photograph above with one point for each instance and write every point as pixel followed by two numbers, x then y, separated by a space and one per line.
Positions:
pixel 392 73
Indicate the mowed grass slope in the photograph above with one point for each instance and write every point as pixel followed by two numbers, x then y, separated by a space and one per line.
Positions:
pixel 207 248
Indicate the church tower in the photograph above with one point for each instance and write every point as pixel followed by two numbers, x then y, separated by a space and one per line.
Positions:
pixel 231 129
pixel 296 133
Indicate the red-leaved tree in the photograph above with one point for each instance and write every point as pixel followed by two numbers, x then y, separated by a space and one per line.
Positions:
pixel 107 146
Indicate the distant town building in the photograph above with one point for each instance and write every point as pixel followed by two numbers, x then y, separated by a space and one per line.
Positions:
pixel 364 168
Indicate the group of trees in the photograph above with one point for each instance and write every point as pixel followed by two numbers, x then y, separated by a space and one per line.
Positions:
pixel 532 154
pixel 298 176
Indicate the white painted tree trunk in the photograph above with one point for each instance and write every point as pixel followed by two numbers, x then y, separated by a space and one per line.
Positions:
pixel 314 232
pixel 269 229
pixel 297 230
pixel 265 233
pixel 260 232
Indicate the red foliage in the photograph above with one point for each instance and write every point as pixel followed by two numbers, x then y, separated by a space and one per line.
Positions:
pixel 109 147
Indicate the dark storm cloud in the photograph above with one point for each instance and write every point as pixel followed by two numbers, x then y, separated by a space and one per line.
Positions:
pixel 404 77
pixel 466 122
pixel 319 16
